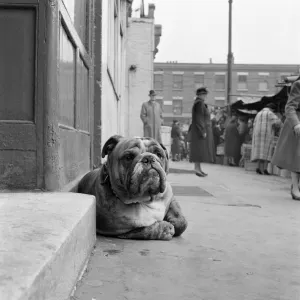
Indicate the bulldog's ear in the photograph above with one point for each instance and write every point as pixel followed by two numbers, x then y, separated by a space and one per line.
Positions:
pixel 110 145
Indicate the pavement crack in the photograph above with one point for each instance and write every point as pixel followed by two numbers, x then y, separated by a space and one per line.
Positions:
pixel 233 204
pixel 244 205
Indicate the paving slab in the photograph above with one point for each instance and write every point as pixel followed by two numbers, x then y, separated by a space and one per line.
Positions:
pixel 45 241
pixel 242 242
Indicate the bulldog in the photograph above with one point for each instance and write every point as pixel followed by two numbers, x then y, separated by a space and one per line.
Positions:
pixel 133 198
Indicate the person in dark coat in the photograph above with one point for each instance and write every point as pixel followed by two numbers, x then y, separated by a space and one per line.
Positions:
pixel 217 132
pixel 202 142
pixel 176 136
pixel 232 147
pixel 287 153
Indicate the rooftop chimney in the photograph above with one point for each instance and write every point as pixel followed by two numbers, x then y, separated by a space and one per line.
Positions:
pixel 151 9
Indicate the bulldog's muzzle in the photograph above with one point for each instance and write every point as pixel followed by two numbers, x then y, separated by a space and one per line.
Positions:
pixel 148 176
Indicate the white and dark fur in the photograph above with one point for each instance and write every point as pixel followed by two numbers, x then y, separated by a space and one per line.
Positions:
pixel 134 199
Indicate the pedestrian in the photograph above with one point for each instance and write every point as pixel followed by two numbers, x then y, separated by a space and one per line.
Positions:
pixel 232 147
pixel 263 137
pixel 202 143
pixel 287 153
pixel 176 135
pixel 216 133
pixel 151 115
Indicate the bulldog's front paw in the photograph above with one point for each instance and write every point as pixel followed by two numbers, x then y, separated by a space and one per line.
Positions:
pixel 165 231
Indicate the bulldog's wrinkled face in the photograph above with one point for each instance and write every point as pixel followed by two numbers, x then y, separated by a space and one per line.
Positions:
pixel 137 168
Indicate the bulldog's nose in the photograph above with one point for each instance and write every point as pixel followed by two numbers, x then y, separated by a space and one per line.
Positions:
pixel 148 159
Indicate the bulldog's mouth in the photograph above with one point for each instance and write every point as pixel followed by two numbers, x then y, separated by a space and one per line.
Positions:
pixel 147 181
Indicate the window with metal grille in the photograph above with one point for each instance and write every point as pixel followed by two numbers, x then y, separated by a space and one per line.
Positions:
pixel 177 82
pixel 199 81
pixel 177 107
pixel 158 81
pixel 242 82
pixel 220 82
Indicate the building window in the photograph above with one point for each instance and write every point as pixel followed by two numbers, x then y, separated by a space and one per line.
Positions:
pixel 177 107
pixel 242 83
pixel 263 85
pixel 177 82
pixel 220 82
pixel 158 81
pixel 199 81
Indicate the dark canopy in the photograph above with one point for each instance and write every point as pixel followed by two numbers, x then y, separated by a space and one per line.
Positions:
pixel 279 99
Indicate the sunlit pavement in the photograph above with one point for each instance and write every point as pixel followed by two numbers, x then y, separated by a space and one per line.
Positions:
pixel 242 243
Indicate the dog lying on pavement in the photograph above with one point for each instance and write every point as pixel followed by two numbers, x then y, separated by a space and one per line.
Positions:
pixel 133 198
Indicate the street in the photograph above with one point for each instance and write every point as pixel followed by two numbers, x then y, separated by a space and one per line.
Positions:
pixel 242 243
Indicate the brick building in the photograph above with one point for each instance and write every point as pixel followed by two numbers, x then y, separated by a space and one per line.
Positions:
pixel 176 83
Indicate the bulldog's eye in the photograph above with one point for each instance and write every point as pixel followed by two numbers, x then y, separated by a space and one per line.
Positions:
pixel 128 157
pixel 159 155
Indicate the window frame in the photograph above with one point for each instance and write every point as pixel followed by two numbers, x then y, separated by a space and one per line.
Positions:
pixel 263 79
pixel 198 84
pixel 160 81
pixel 175 81
pixel 238 82
pixel 224 82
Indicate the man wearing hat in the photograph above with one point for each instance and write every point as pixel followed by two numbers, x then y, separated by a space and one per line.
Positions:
pixel 151 115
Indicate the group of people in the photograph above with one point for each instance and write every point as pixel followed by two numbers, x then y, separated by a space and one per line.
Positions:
pixel 206 133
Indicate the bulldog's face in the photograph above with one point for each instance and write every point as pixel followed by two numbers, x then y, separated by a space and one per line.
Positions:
pixel 137 168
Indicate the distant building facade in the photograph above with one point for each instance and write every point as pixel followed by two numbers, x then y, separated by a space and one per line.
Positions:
pixel 176 83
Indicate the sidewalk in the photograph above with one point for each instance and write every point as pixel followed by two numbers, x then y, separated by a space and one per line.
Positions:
pixel 242 243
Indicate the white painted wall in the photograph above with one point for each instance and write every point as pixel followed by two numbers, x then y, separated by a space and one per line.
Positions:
pixel 140 47
pixel 113 69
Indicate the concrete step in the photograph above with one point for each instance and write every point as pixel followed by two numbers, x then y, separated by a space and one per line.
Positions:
pixel 45 242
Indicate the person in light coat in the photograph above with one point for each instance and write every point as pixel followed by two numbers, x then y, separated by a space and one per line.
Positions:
pixel 151 116
pixel 263 137
pixel 287 153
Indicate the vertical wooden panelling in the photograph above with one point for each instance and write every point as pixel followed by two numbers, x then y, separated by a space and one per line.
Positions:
pixel 66 79
pixel 78 12
pixel 17 63
pixel 18 145
pixel 97 85
pixel 51 111
pixel 75 92
pixel 82 103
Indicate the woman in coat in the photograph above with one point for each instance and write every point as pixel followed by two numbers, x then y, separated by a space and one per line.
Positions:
pixel 287 153
pixel 202 143
pixel 263 137
pixel 232 147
